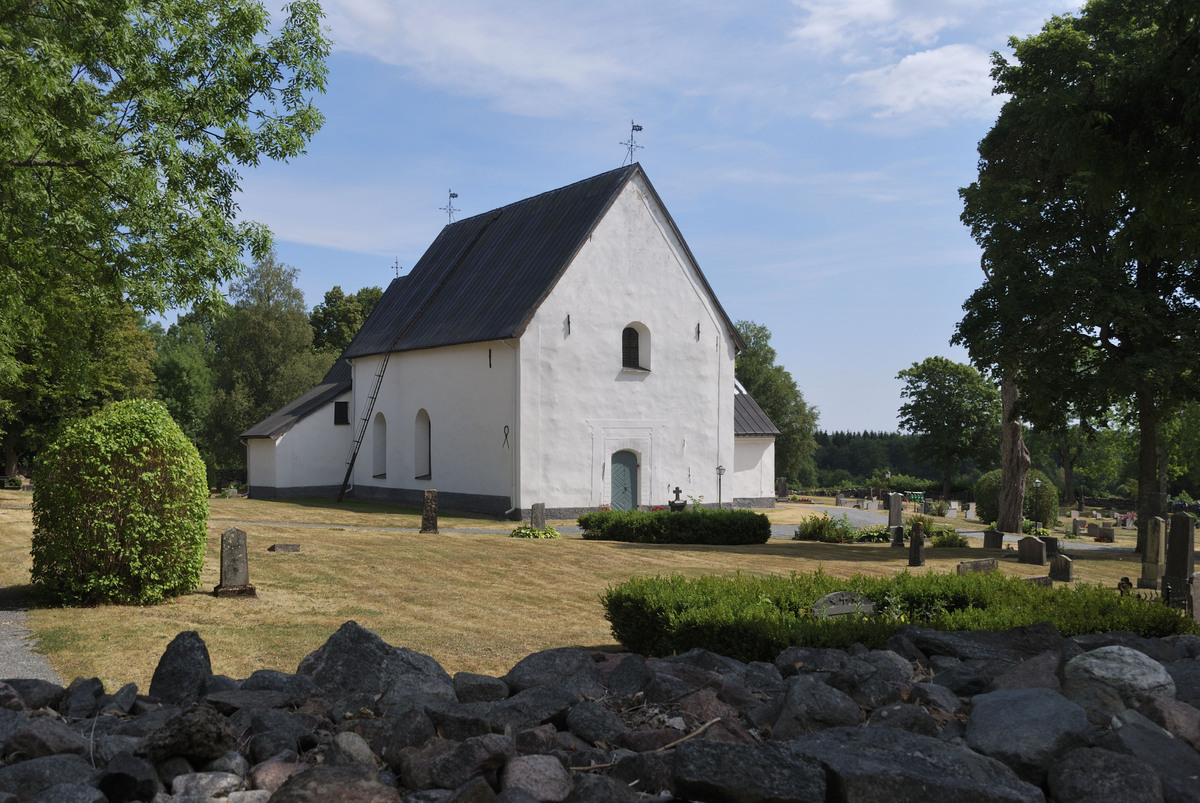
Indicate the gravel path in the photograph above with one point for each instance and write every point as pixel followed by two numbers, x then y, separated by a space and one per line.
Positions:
pixel 17 658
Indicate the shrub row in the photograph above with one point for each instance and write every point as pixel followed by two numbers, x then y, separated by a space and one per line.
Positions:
pixel 754 618
pixel 682 527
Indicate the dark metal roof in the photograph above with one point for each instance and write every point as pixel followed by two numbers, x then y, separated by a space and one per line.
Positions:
pixel 748 418
pixel 335 383
pixel 484 277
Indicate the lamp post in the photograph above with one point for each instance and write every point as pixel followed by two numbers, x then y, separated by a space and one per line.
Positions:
pixel 1037 497
pixel 720 474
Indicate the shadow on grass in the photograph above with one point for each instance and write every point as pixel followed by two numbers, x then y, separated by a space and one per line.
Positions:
pixel 22 598
pixel 804 550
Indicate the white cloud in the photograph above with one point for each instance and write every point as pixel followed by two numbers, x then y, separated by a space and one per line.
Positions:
pixel 855 28
pixel 923 89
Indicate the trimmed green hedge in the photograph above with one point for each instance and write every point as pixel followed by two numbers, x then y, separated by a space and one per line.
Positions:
pixel 120 509
pixel 682 527
pixel 754 618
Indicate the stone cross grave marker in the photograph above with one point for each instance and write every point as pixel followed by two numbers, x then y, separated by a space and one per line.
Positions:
pixel 235 566
pixel 1062 569
pixel 1181 555
pixel 429 512
pixel 1154 561
pixel 1032 551
pixel 985 565
pixel 843 603
pixel 537 516
pixel 916 546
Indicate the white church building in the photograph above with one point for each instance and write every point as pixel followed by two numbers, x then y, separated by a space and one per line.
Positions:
pixel 564 349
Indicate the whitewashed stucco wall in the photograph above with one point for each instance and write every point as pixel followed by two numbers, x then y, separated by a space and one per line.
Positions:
pixel 578 405
pixel 309 455
pixel 754 468
pixel 469 404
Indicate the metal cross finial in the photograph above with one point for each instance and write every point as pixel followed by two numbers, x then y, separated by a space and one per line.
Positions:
pixel 631 145
pixel 449 207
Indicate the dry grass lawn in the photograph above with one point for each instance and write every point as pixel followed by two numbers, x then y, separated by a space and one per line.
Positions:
pixel 475 601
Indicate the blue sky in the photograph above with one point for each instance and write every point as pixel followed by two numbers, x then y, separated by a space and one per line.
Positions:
pixel 809 151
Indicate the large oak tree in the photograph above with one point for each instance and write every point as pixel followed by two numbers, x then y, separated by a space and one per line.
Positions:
pixel 1086 208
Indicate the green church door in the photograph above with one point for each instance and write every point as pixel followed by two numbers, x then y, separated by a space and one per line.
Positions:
pixel 624 480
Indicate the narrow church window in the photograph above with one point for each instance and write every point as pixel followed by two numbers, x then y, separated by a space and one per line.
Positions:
pixel 629 348
pixel 379 447
pixel 422 446
pixel 341 412
pixel 635 348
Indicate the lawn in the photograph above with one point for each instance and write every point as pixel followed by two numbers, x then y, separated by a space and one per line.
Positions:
pixel 470 596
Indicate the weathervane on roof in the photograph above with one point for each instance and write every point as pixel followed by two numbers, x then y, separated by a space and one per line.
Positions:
pixel 631 145
pixel 449 207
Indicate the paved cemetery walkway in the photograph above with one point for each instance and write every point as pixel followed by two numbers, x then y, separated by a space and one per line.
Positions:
pixel 17 658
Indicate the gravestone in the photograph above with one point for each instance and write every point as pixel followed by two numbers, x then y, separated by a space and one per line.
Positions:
pixel 1074 514
pixel 678 504
pixel 1044 580
pixel 985 565
pixel 235 566
pixel 1032 551
pixel 952 509
pixel 1154 560
pixel 895 510
pixel 1193 604
pixel 969 510
pixel 897 536
pixel 283 548
pixel 840 500
pixel 1062 569
pixel 916 546
pixel 537 516
pixel 1181 556
pixel 429 512
pixel 781 489
pixel 843 603
pixel 1078 526
pixel 1051 542
pixel 1093 531
pixel 1108 534
pixel 993 539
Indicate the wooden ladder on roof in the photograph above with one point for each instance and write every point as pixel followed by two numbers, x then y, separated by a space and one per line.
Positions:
pixel 362 424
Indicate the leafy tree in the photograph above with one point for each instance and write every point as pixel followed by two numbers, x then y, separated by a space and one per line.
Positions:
pixel 184 378
pixel 263 355
pixel 954 411
pixel 123 127
pixel 337 319
pixel 776 392
pixel 73 353
pixel 1086 208
pixel 120 509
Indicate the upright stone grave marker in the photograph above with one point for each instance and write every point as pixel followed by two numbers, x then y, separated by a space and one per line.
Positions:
pixel 916 546
pixel 840 500
pixel 1093 531
pixel 993 539
pixel 1108 534
pixel 235 566
pixel 969 510
pixel 537 516
pixel 781 489
pixel 896 519
pixel 1181 556
pixel 1078 526
pixel 1051 542
pixel 429 512
pixel 1154 561
pixel 1062 569
pixel 1032 551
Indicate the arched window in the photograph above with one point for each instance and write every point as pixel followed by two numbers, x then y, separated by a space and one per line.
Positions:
pixel 422 446
pixel 635 348
pixel 379 446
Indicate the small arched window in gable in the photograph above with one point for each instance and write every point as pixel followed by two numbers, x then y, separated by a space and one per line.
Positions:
pixel 635 348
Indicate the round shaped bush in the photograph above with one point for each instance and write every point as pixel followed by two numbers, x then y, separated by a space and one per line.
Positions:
pixel 1040 505
pixel 120 506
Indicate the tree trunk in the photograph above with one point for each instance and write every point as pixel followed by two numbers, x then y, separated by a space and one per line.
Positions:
pixel 10 454
pixel 1148 500
pixel 1014 461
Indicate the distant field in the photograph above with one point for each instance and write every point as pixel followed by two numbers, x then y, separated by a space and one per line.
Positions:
pixel 475 601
